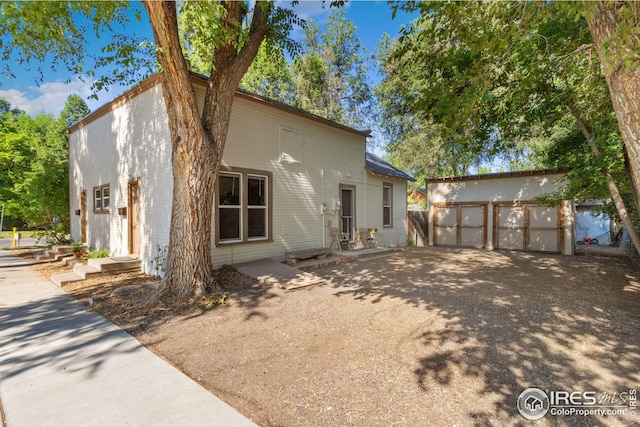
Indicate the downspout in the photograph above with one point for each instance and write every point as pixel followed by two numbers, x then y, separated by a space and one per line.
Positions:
pixel 366 189
pixel 322 213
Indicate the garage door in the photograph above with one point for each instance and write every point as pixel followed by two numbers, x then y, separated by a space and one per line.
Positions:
pixel 527 227
pixel 460 224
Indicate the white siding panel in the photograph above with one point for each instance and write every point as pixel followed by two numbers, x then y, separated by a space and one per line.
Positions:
pixel 387 236
pixel 131 141
pixel 330 157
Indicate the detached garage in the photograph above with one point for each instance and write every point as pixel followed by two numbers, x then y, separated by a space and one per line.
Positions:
pixel 499 211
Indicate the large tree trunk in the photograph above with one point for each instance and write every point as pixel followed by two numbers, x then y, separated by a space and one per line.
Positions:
pixel 197 141
pixel 612 26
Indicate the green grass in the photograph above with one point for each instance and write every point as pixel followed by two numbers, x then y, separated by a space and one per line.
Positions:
pixel 9 234
pixel 9 248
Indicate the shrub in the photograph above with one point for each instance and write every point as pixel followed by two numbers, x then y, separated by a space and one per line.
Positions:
pixel 52 236
pixel 99 253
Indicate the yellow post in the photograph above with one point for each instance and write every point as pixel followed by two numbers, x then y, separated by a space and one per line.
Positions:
pixel 15 237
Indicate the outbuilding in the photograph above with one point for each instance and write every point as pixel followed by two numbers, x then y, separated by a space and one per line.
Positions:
pixel 500 211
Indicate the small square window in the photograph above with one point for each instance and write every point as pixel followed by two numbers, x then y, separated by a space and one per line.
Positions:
pixel 101 199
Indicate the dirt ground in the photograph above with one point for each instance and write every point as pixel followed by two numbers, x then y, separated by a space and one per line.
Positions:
pixel 428 336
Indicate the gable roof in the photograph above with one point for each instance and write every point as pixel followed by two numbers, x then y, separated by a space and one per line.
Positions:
pixel 202 81
pixel 377 165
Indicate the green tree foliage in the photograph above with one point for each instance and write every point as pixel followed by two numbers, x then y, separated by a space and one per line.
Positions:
pixel 270 74
pixel 327 75
pixel 15 158
pixel 493 77
pixel 34 164
pixel 330 77
pixel 74 109
pixel 490 77
pixel 58 34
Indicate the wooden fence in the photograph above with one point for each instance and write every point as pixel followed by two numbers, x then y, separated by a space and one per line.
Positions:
pixel 417 221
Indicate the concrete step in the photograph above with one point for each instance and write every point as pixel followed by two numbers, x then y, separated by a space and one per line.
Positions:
pixel 57 252
pixel 64 278
pixel 65 249
pixel 295 257
pixel 371 254
pixel 71 261
pixel 40 256
pixel 51 256
pixel 115 265
pixel 64 257
pixel 85 271
pixel 94 267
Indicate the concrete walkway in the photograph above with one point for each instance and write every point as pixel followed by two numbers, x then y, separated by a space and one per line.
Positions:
pixel 61 365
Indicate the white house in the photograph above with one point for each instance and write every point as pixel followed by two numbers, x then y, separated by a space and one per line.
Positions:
pixel 500 211
pixel 287 177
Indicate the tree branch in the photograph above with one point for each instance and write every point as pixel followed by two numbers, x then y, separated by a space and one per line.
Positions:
pixel 176 80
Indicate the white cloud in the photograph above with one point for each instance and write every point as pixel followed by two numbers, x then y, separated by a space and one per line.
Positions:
pixel 50 97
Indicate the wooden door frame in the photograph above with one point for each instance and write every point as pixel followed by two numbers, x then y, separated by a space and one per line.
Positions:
pixel 354 227
pixel 526 228
pixel 83 215
pixel 133 215
pixel 459 227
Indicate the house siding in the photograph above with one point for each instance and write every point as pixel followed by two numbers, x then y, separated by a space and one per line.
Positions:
pixel 396 235
pixel 130 140
pixel 330 157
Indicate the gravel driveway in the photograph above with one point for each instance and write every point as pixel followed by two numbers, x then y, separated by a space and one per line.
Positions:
pixel 428 336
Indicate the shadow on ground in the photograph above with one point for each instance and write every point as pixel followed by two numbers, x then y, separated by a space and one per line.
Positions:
pixel 56 332
pixel 502 322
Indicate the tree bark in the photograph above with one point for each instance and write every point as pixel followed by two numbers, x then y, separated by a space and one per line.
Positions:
pixel 197 140
pixel 617 45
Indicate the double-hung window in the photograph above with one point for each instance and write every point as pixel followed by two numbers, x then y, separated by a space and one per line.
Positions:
pixel 101 199
pixel 243 206
pixel 257 207
pixel 387 205
pixel 230 207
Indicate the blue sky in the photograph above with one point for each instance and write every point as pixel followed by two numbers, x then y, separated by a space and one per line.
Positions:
pixel 372 18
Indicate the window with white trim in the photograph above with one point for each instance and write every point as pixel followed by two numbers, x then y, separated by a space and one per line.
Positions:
pixel 101 199
pixel 243 206
pixel 387 205
pixel 257 207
